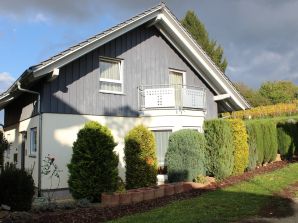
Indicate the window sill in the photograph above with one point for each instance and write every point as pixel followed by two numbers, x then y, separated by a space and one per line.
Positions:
pixel 111 92
pixel 32 156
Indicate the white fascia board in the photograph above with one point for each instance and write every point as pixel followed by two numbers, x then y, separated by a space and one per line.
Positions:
pixel 202 58
pixel 71 56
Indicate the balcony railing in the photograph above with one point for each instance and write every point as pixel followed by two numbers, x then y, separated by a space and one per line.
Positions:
pixel 171 97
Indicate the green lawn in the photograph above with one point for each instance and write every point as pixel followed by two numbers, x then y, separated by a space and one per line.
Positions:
pixel 227 205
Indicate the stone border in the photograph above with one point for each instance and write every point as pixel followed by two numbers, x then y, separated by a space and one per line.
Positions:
pixel 150 193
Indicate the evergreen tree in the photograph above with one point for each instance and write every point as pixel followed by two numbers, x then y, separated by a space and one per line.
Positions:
pixel 93 167
pixel 198 31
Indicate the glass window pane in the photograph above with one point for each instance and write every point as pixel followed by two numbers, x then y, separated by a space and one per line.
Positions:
pixel 33 140
pixel 162 140
pixel 109 70
pixel 108 86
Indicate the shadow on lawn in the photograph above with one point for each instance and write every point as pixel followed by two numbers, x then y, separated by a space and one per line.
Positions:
pixel 229 206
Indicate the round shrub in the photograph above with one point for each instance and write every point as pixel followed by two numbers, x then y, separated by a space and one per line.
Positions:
pixel 94 165
pixel 241 146
pixel 185 157
pixel 16 188
pixel 140 158
pixel 219 149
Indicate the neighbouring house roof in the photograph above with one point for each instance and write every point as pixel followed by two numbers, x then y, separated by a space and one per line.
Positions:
pixel 160 17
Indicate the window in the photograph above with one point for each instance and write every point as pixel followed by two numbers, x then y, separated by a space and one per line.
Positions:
pixel 33 141
pixel 162 141
pixel 110 80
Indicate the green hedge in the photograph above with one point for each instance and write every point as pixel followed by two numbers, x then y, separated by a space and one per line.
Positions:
pixel 287 136
pixel 140 158
pixel 241 146
pixel 219 149
pixel 185 156
pixel 16 188
pixel 263 134
pixel 94 165
pixel 252 144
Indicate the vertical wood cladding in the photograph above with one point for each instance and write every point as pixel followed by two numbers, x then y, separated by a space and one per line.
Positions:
pixel 146 55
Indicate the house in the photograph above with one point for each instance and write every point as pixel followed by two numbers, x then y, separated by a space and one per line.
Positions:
pixel 145 70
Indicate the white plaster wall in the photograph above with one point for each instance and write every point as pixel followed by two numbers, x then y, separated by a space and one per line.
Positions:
pixel 60 131
pixel 14 137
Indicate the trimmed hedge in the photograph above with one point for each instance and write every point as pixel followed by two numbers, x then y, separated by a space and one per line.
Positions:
pixel 287 136
pixel 94 165
pixel 16 188
pixel 252 144
pixel 219 149
pixel 264 135
pixel 185 156
pixel 140 158
pixel 241 146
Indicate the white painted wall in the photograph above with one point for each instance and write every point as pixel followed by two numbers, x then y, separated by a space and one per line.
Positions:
pixel 60 131
pixel 14 137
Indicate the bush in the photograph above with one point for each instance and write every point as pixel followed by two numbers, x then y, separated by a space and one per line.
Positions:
pixel 94 165
pixel 287 138
pixel 185 156
pixel 265 135
pixel 252 144
pixel 3 147
pixel 16 188
pixel 140 158
pixel 241 146
pixel 219 149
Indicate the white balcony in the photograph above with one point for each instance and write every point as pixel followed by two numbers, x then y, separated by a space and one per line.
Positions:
pixel 171 97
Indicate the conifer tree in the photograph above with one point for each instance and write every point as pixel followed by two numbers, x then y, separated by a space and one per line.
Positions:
pixel 198 31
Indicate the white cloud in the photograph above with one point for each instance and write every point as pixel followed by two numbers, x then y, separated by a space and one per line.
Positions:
pixel 5 81
pixel 40 18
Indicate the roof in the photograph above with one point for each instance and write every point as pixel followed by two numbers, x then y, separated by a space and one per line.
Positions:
pixel 159 16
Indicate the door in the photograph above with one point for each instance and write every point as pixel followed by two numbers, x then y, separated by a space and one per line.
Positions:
pixel 23 149
pixel 176 81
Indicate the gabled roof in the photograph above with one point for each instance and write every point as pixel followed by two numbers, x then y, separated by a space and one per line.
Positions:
pixel 161 17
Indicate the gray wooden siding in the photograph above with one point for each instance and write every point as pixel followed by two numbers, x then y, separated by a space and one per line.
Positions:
pixel 22 108
pixel 147 58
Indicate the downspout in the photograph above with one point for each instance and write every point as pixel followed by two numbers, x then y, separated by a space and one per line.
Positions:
pixel 39 133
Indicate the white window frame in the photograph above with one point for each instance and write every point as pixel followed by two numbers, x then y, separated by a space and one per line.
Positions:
pixel 120 64
pixel 32 152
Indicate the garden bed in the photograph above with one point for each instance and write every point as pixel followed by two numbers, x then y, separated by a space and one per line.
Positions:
pixel 102 214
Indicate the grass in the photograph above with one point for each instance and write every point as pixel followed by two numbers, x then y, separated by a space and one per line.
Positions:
pixel 230 204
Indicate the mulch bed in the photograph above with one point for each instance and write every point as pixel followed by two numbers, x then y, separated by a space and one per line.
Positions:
pixel 99 214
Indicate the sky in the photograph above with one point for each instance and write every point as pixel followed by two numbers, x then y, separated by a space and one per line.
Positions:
pixel 259 37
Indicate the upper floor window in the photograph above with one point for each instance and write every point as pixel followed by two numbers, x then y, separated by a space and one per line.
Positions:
pixel 111 75
pixel 33 141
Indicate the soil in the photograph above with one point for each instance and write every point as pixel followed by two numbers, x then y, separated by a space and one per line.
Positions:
pixel 100 214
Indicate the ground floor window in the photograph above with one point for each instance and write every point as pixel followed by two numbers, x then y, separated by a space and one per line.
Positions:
pixel 33 141
pixel 162 141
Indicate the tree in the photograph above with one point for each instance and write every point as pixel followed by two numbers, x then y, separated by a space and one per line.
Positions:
pixel 252 96
pixel 279 91
pixel 93 167
pixel 198 31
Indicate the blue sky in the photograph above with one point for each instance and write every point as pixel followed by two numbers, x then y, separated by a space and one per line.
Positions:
pixel 259 37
